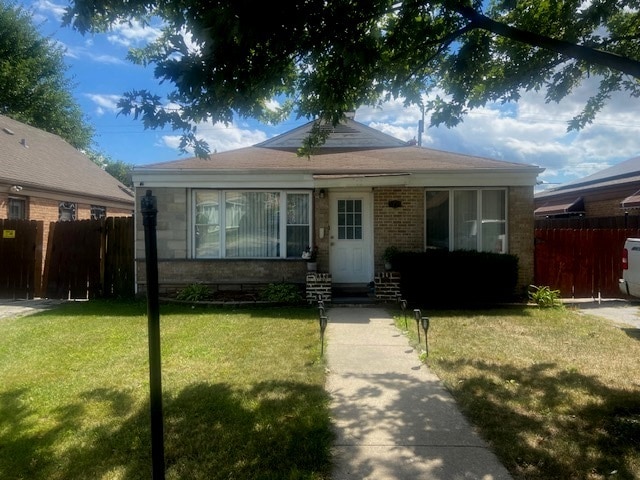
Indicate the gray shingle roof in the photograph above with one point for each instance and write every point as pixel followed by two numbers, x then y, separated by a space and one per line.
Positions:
pixel 620 174
pixel 352 148
pixel 33 158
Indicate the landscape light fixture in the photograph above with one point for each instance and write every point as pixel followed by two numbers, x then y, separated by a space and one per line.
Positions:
pixel 425 326
pixel 418 316
pixel 403 307
pixel 322 318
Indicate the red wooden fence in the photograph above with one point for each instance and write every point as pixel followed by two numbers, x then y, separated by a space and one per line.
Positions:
pixel 580 263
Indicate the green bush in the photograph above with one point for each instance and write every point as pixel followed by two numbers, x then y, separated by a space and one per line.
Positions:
pixel 439 278
pixel 281 293
pixel 544 296
pixel 195 292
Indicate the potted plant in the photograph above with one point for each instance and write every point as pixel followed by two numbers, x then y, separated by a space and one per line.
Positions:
pixel 310 254
pixel 388 256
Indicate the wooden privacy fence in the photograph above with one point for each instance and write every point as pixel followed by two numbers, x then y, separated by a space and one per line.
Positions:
pixel 580 263
pixel 20 258
pixel 90 259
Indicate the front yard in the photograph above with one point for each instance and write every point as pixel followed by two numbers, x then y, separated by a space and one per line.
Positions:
pixel 243 394
pixel 556 393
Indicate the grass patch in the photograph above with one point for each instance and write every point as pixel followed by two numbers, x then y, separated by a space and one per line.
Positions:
pixel 243 394
pixel 556 393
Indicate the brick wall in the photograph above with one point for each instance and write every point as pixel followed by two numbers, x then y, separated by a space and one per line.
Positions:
pixel 603 208
pixel 401 227
pixel 171 230
pixel 521 232
pixel 223 273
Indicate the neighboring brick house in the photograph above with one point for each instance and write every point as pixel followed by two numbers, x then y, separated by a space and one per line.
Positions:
pixel 612 192
pixel 42 177
pixel 245 216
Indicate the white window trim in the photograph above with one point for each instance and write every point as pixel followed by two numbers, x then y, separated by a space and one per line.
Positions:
pixel 478 213
pixel 221 192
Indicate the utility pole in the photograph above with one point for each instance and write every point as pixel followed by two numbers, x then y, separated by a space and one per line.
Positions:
pixel 421 126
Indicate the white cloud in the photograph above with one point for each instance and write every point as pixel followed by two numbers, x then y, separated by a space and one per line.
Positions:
pixel 104 102
pixel 48 8
pixel 531 131
pixel 220 137
pixel 133 33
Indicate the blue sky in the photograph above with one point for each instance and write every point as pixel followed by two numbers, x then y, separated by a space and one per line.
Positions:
pixel 527 132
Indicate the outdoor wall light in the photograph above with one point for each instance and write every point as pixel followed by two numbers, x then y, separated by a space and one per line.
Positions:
pixel 321 193
pixel 16 188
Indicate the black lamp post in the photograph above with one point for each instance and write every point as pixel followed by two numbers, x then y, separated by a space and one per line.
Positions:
pixel 149 215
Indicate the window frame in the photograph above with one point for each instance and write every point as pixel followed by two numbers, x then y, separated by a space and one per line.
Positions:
pixel 19 200
pixel 282 228
pixel 479 218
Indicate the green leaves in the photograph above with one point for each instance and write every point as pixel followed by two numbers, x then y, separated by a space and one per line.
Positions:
pixel 33 85
pixel 225 60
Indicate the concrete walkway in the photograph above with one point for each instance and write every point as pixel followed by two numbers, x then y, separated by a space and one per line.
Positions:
pixel 393 418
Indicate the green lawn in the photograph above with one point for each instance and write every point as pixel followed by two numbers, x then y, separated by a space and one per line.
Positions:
pixel 243 394
pixel 556 393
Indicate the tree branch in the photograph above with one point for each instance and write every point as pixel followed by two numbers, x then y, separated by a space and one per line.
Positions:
pixel 578 52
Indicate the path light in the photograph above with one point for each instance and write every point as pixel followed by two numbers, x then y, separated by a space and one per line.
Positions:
pixel 418 316
pixel 323 325
pixel 403 306
pixel 425 327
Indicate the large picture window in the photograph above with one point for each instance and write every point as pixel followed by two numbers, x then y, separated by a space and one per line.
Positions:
pixel 250 224
pixel 466 219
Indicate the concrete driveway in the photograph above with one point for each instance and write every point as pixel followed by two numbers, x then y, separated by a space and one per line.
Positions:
pixel 20 308
pixel 619 311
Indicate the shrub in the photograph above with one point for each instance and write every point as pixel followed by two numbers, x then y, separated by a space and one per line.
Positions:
pixel 544 296
pixel 439 278
pixel 195 292
pixel 281 293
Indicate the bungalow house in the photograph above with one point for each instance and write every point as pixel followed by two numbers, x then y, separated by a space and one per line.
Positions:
pixel 42 177
pixel 611 192
pixel 245 216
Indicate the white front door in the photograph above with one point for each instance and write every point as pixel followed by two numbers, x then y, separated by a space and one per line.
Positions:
pixel 350 235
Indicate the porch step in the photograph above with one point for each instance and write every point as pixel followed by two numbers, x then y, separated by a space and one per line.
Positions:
pixel 352 295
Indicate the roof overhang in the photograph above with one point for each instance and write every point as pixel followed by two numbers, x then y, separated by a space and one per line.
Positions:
pixel 632 201
pixel 561 207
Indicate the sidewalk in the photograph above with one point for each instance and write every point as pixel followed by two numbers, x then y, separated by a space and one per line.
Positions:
pixel 393 418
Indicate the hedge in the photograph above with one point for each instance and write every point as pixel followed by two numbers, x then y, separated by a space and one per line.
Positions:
pixel 438 278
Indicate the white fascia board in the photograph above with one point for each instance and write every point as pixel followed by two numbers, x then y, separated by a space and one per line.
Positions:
pixel 373 181
pixel 223 180
pixel 489 178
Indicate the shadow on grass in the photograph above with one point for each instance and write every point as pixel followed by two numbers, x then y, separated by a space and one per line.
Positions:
pixel 603 432
pixel 135 308
pixel 272 430
pixel 632 332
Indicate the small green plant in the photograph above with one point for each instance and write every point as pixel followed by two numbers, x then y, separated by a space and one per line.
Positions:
pixel 281 293
pixel 544 296
pixel 195 292
pixel 390 254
